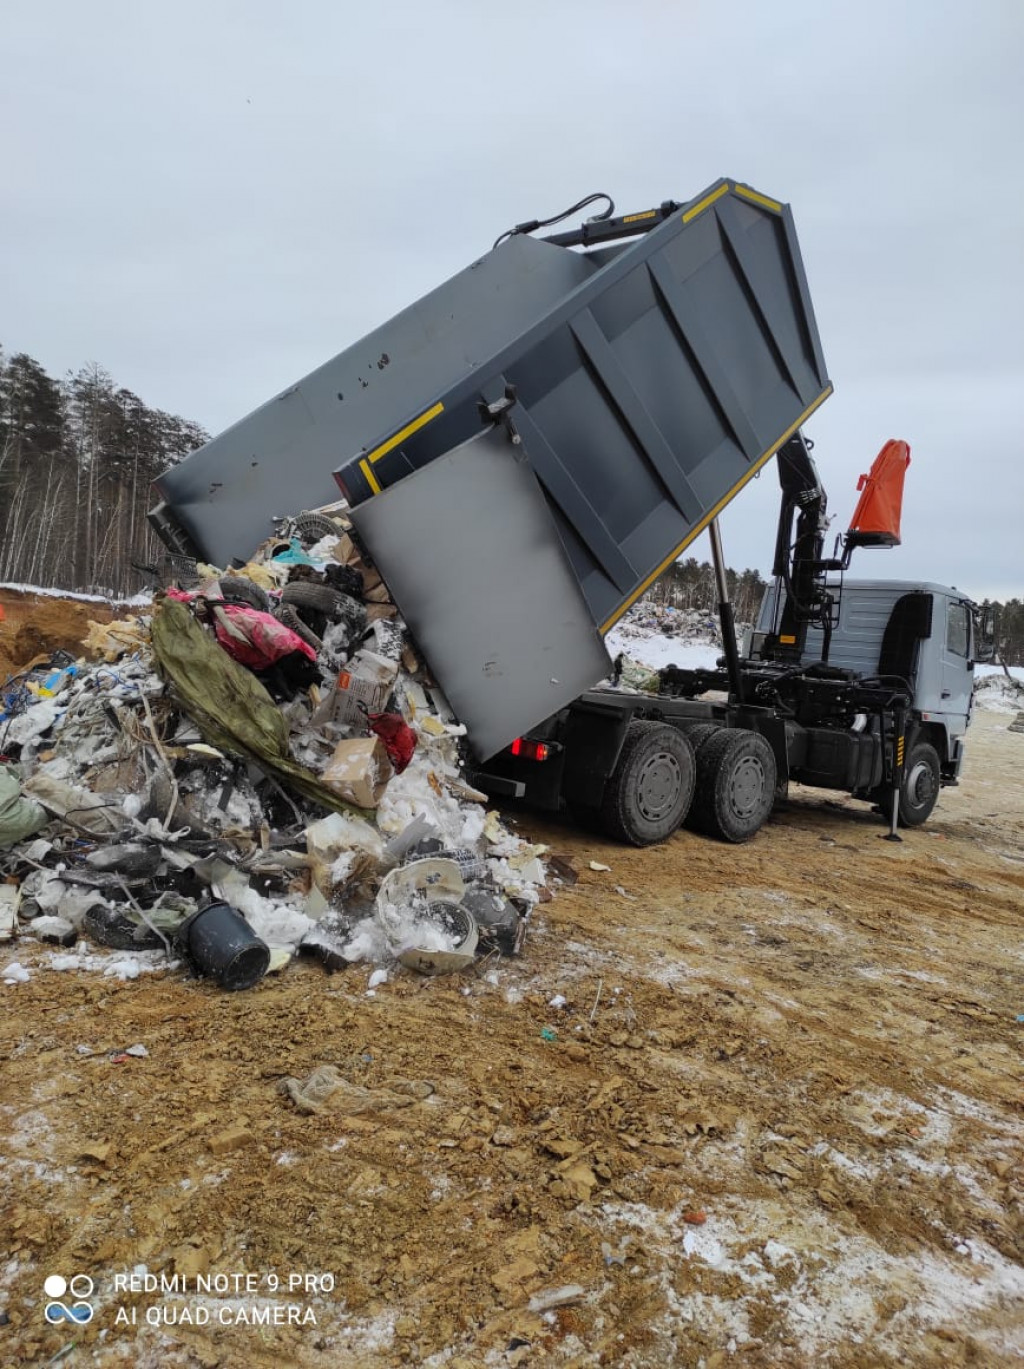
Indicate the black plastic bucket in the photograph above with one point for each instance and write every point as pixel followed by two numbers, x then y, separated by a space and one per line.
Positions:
pixel 219 942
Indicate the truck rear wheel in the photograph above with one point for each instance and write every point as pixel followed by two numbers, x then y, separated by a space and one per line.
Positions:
pixel 698 733
pixel 919 789
pixel 735 785
pixel 650 789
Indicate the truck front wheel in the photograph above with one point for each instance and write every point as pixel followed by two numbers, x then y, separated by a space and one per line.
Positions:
pixel 919 789
pixel 650 789
pixel 735 785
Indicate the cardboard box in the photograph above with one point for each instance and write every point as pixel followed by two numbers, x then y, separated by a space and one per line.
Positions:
pixel 367 679
pixel 359 771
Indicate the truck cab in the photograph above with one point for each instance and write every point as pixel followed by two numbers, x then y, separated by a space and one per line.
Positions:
pixel 918 631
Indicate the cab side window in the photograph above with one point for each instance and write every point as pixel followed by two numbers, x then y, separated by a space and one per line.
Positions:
pixel 957 631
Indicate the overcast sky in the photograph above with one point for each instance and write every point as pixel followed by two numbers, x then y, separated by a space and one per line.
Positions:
pixel 210 199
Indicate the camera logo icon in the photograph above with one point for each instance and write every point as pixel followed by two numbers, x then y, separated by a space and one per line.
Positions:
pixel 80 1286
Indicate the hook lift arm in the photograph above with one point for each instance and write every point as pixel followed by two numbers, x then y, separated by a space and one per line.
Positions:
pixel 800 567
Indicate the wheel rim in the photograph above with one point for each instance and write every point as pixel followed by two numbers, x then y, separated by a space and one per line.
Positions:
pixel 658 786
pixel 746 790
pixel 920 785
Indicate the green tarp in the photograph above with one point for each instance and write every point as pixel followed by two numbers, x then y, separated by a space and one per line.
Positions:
pixel 228 703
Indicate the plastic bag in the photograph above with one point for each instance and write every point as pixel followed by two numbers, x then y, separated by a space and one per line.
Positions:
pixel 19 817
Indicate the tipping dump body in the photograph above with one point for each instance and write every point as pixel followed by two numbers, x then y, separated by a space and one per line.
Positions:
pixel 221 499
pixel 652 380
pixel 647 395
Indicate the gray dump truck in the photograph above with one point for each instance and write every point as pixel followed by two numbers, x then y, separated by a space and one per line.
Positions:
pixel 523 452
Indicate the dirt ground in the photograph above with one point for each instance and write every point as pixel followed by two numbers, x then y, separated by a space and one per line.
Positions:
pixel 33 624
pixel 759 1105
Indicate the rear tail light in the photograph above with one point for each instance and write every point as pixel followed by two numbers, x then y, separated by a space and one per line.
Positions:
pixel 530 751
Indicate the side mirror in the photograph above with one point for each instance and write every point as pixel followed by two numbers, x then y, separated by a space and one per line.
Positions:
pixel 985 624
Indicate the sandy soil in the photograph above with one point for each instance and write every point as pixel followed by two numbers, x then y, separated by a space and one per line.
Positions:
pixel 775 1121
pixel 33 624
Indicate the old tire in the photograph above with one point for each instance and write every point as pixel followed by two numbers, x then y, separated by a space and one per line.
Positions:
pixel 650 789
pixel 919 789
pixel 332 603
pixel 285 613
pixel 241 591
pixel 736 777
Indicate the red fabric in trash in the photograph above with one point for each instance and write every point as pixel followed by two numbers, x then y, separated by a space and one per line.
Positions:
pixel 254 638
pixel 399 739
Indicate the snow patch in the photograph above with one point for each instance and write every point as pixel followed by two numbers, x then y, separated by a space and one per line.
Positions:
pixel 117 965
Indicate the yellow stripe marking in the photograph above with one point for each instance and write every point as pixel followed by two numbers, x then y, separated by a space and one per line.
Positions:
pixel 749 194
pixel 635 218
pixel 371 479
pixel 695 532
pixel 708 199
pixel 405 432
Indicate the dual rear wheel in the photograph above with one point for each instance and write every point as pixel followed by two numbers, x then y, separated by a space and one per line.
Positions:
pixel 720 781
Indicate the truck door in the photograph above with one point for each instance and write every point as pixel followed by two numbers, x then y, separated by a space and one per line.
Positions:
pixel 957 671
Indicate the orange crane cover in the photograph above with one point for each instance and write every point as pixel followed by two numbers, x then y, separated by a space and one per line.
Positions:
pixel 876 519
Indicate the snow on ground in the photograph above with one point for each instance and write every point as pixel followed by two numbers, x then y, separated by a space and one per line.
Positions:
pixel 115 965
pixel 49 592
pixel 660 637
pixel 995 693
pixel 665 636
pixel 824 1288
pixel 986 672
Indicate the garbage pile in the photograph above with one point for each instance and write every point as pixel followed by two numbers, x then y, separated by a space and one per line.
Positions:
pixel 646 618
pixel 259 768
pixel 996 692
pixel 652 638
